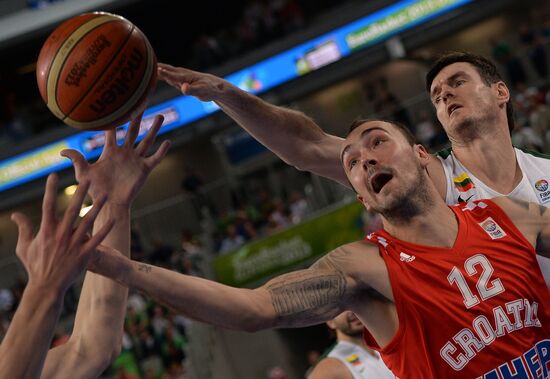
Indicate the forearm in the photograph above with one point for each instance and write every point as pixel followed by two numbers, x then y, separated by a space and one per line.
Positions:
pixel 297 299
pixel 29 336
pixel 290 134
pixel 197 298
pixel 97 334
pixel 103 320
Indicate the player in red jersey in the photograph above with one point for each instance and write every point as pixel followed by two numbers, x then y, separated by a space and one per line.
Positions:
pixel 444 292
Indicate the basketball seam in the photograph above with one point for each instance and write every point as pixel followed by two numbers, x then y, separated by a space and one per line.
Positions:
pixel 53 99
pixel 138 94
pixel 107 66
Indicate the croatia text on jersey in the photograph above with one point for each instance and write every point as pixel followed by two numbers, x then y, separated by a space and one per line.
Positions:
pixel 535 361
pixel 513 316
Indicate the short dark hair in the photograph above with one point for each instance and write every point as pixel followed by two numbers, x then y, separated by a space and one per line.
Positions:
pixel 401 127
pixel 486 69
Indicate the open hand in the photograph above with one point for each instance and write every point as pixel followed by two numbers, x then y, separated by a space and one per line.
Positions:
pixel 203 86
pixel 56 256
pixel 120 171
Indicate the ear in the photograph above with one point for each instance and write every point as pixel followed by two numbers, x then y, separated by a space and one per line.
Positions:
pixel 423 154
pixel 331 324
pixel 503 93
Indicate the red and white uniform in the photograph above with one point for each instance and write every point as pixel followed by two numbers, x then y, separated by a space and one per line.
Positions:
pixel 480 309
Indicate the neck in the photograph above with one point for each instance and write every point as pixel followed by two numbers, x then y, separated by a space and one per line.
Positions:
pixel 356 340
pixel 434 225
pixel 491 158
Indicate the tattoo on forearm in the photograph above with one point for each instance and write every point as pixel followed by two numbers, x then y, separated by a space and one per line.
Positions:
pixel 145 268
pixel 295 296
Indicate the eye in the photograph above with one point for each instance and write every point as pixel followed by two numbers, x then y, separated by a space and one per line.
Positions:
pixel 352 163
pixel 377 142
pixel 459 82
pixel 437 100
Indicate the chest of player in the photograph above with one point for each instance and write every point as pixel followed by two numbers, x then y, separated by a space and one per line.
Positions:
pixel 460 307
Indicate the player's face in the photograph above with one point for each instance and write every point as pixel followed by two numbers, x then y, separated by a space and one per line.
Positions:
pixel 462 99
pixel 348 323
pixel 381 165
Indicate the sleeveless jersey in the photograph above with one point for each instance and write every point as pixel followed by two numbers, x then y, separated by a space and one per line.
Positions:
pixel 361 363
pixel 480 309
pixel 534 187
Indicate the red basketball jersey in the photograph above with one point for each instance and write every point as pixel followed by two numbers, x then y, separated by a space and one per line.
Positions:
pixel 480 309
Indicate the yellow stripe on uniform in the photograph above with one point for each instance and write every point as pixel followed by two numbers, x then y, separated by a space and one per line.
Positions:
pixel 461 178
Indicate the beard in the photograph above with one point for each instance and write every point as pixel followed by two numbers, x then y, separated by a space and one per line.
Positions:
pixel 471 128
pixel 411 201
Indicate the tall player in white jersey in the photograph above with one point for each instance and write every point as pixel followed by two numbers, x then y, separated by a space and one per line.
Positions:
pixel 472 103
pixel 349 358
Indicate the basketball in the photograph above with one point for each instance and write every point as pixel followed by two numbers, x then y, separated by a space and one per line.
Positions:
pixel 95 71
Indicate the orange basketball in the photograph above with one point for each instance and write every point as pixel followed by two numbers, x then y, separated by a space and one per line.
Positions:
pixel 96 70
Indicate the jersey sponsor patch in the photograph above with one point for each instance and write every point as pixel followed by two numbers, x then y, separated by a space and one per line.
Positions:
pixel 403 257
pixel 492 228
pixel 542 188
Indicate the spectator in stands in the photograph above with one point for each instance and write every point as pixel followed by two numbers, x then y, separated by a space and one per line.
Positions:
pixel 232 240
pixel 298 207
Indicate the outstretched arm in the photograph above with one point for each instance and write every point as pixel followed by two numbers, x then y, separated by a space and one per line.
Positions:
pixel 53 259
pixel 301 298
pixel 292 135
pixel 120 171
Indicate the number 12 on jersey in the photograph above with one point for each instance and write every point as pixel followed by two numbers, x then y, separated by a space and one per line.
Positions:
pixel 486 287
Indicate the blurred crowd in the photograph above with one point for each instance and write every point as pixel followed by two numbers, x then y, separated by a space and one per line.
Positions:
pixel 156 341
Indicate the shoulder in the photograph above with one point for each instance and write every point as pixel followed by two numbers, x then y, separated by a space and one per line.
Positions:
pixel 533 155
pixel 528 217
pixel 359 261
pixel 517 209
pixel 330 368
pixel 349 256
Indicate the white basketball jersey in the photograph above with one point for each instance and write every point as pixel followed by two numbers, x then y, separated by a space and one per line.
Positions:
pixel 463 186
pixel 361 363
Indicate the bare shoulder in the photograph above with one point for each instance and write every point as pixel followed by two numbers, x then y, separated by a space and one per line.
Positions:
pixel 529 218
pixel 518 210
pixel 330 368
pixel 348 258
pixel 362 265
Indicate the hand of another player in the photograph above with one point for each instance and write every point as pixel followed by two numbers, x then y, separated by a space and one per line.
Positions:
pixel 105 261
pixel 200 85
pixel 120 171
pixel 56 256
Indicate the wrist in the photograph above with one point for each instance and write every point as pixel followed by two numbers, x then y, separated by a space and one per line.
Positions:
pixel 117 212
pixel 47 295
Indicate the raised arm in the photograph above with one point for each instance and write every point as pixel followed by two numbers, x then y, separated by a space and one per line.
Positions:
pixel 297 299
pixel 53 259
pixel 292 135
pixel 120 172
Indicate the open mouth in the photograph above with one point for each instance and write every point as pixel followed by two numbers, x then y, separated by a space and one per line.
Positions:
pixel 379 180
pixel 452 108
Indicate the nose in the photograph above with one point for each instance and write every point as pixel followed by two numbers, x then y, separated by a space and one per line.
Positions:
pixel 446 92
pixel 369 162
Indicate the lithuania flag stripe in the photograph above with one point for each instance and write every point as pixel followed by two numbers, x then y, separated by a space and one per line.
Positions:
pixel 463 182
